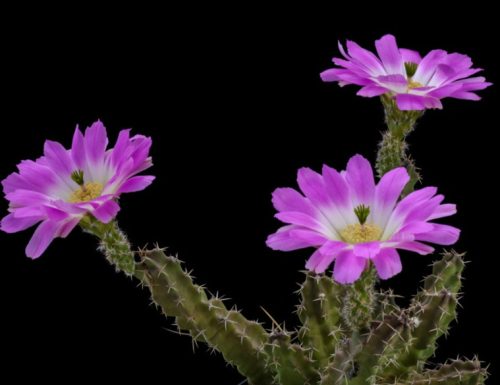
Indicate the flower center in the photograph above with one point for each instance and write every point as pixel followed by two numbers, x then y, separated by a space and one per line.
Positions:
pixel 413 84
pixel 86 192
pixel 358 233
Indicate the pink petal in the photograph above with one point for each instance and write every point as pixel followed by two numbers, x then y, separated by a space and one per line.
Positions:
pixel 359 176
pixel 312 238
pixel 330 75
pixel 68 227
pixel 344 75
pixel 473 84
pixel 314 260
pixel 409 102
pixel 416 227
pixel 440 234
pixel 365 58
pixel 55 214
pixel 388 52
pixel 301 219
pixel 313 186
pixel 336 186
pixel 417 247
pixel 387 263
pixel 136 183
pixel 58 158
pixel 29 212
pixel 14 182
pixel 458 61
pixel 442 211
pixel 372 90
pixel 141 146
pixel 442 75
pixel 445 91
pixel 288 199
pixel 424 209
pixel 417 196
pixel 387 193
pixel 42 238
pixel 120 150
pixel 332 247
pixel 96 141
pixel 410 56
pixel 282 240
pixel 465 95
pixel 37 177
pixel 107 211
pixel 405 207
pixel 78 150
pixel 428 65
pixel 348 267
pixel 367 250
pixel 328 252
pixel 22 197
pixel 396 83
pixel 11 224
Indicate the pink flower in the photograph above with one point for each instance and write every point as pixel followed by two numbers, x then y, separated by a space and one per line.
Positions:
pixel 352 221
pixel 416 83
pixel 60 188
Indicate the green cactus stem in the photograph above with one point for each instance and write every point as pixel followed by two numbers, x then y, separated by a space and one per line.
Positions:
pixel 378 342
pixel 457 372
pixel 320 314
pixel 241 342
pixel 292 363
pixel 342 365
pixel 393 149
pixel 359 302
pixel 431 312
pixel 113 243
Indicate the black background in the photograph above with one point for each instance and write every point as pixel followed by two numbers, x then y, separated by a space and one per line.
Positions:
pixel 234 104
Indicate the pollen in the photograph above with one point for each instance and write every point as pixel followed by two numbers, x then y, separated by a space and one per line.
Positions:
pixel 358 233
pixel 413 84
pixel 86 192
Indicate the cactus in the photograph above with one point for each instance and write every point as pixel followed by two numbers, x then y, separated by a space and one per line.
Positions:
pixel 392 351
pixel 349 334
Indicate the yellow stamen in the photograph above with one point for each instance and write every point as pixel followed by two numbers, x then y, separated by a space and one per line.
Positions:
pixel 86 192
pixel 413 84
pixel 358 233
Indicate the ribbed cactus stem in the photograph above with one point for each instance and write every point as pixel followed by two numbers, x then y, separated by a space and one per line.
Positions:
pixel 320 313
pixel 342 365
pixel 431 312
pixel 292 363
pixel 378 341
pixel 359 302
pixel 241 342
pixel 113 243
pixel 393 149
pixel 457 372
